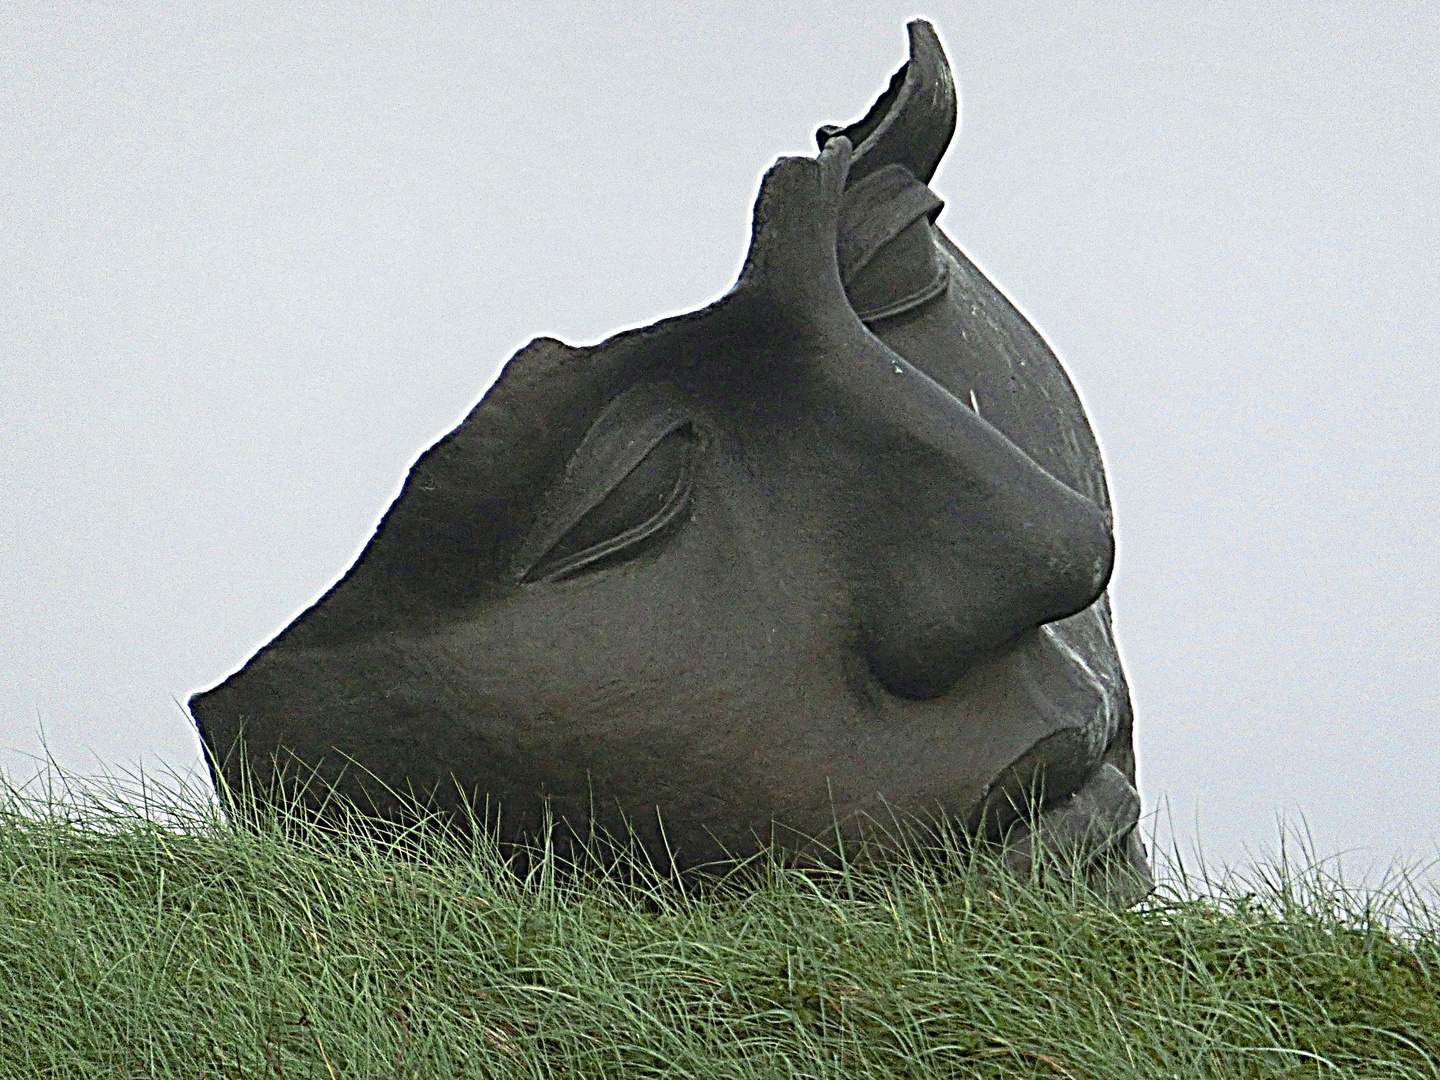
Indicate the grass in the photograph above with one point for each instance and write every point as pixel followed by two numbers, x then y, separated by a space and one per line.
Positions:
pixel 151 939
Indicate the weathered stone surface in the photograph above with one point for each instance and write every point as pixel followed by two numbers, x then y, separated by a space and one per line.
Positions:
pixel 834 545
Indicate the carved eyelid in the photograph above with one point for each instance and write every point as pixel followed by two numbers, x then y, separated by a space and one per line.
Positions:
pixel 619 440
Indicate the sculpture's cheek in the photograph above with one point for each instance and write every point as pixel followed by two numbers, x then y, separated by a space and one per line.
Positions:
pixel 326 709
pixel 727 734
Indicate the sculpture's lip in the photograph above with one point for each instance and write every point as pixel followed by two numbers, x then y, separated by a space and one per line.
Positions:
pixel 1097 822
pixel 1078 663
pixel 1037 719
pixel 1080 712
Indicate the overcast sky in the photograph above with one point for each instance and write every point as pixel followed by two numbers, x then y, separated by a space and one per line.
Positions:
pixel 256 258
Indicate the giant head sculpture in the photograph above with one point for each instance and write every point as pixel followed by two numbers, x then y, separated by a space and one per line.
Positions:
pixel 834 546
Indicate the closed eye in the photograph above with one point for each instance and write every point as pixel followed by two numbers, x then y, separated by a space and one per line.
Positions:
pixel 628 481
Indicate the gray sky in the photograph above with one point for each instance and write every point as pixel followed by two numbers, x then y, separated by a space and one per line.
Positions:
pixel 256 258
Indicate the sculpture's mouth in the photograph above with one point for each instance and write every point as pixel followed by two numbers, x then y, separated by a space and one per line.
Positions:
pixel 1062 720
pixel 1060 794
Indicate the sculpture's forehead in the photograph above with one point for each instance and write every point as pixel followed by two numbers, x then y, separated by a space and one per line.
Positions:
pixel 468 502
pixel 549 393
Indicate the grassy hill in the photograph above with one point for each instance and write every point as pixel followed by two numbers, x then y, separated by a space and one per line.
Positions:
pixel 141 939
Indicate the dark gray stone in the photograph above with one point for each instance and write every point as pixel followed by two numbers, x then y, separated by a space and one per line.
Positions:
pixel 835 545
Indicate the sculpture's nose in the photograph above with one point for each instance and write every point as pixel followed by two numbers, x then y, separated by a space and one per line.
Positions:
pixel 972 576
pixel 966 542
pixel 955 541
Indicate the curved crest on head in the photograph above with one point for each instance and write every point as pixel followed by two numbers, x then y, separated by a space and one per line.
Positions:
pixel 912 122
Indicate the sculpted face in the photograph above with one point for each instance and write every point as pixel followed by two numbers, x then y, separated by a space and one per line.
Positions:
pixel 834 545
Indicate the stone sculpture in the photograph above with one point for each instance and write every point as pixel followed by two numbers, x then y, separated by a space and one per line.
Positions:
pixel 835 545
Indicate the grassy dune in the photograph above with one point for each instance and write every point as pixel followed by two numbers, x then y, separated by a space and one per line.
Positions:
pixel 141 940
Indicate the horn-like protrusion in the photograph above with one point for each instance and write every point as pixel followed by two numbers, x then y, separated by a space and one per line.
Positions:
pixel 914 119
pixel 792 241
